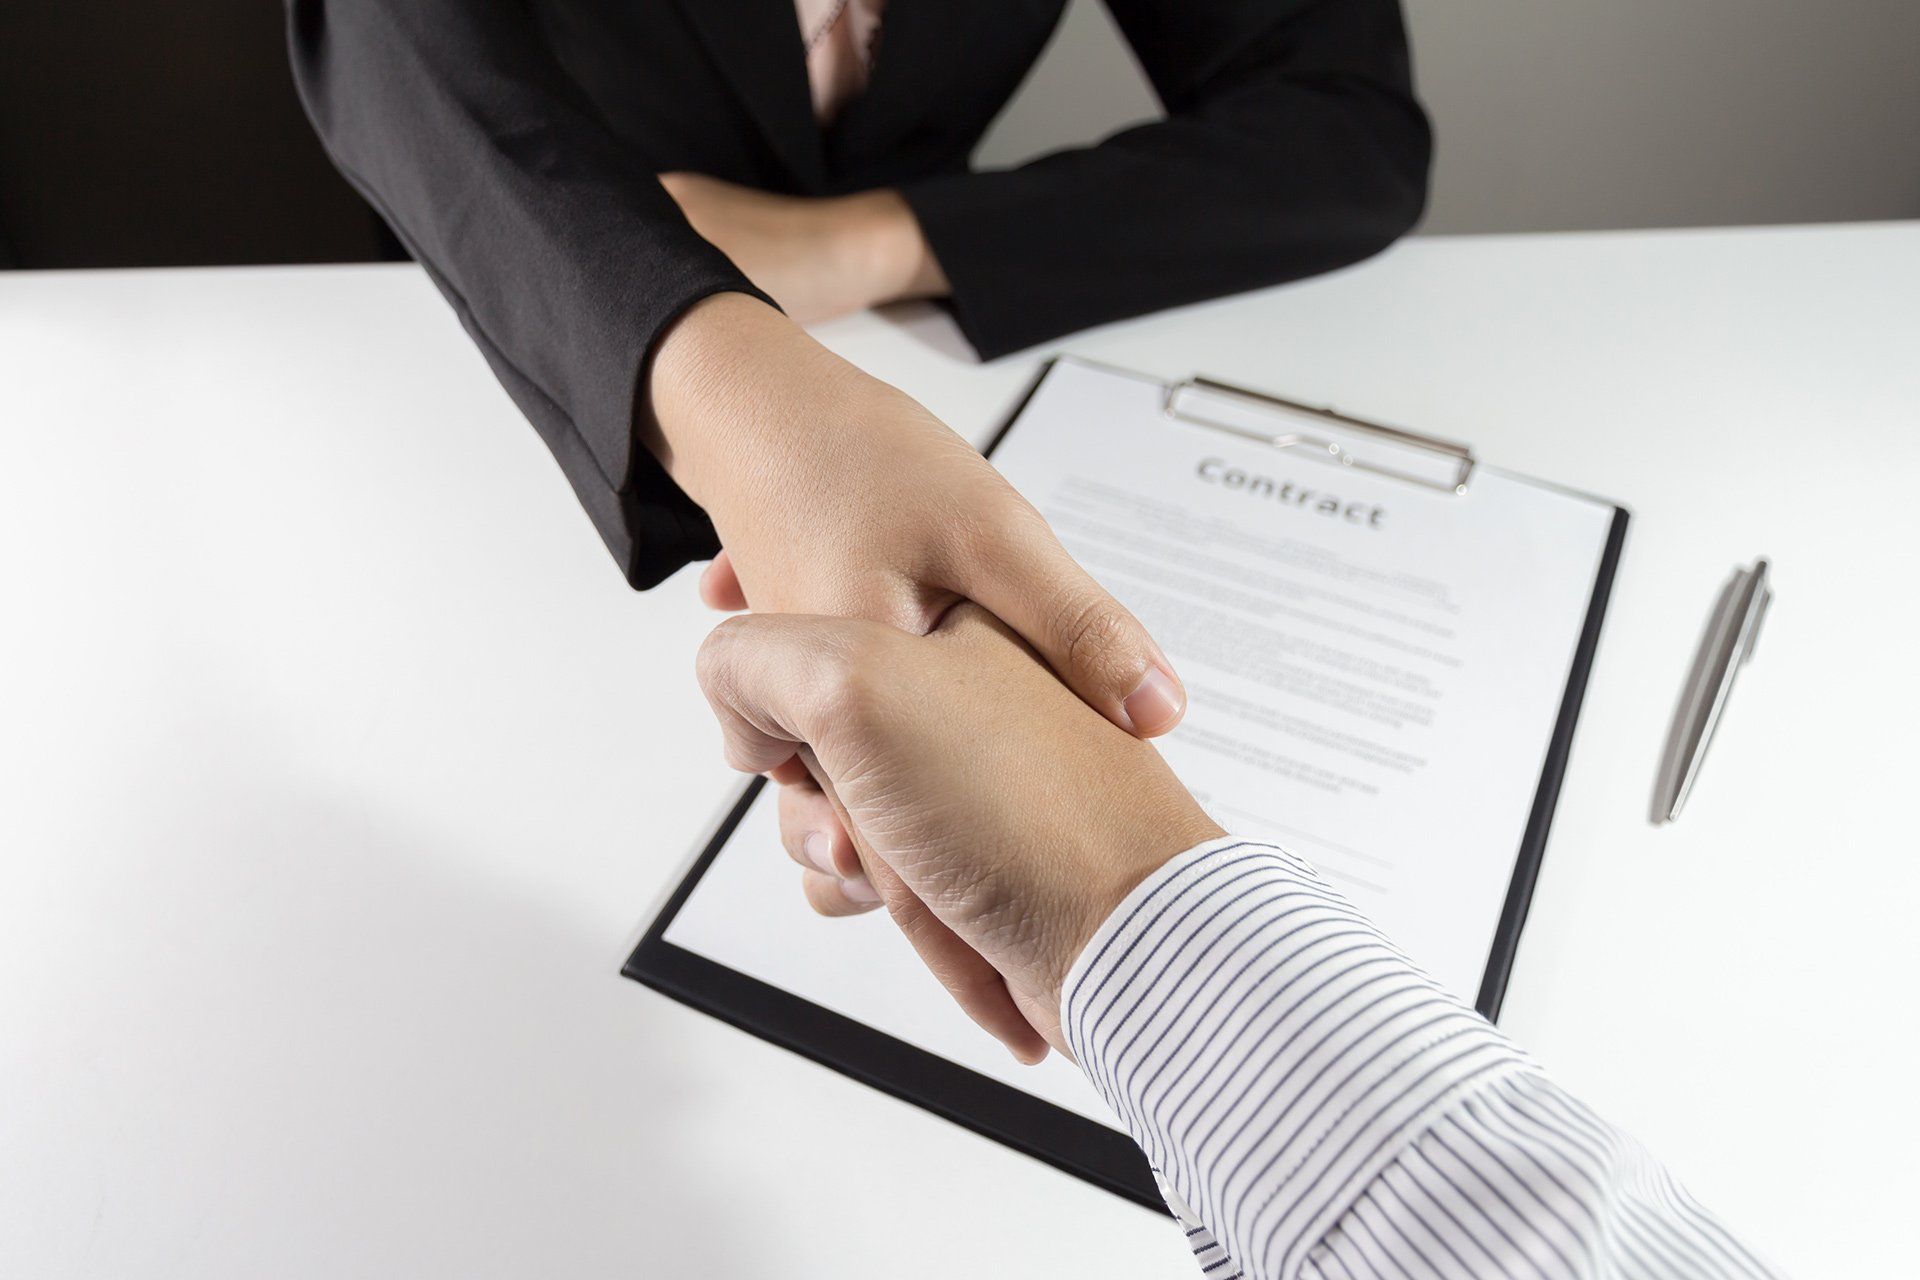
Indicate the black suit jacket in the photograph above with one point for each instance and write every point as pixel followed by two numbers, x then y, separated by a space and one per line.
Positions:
pixel 512 145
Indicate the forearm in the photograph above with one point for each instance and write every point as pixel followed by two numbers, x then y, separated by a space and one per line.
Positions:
pixel 1293 145
pixel 1313 1101
pixel 553 242
pixel 731 392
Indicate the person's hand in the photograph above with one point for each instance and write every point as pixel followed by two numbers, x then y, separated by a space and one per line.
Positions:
pixel 999 817
pixel 818 257
pixel 835 494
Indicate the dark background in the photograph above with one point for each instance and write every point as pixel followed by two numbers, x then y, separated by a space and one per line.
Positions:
pixel 167 132
pixel 163 133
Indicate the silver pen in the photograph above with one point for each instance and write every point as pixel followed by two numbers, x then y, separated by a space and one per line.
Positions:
pixel 1724 649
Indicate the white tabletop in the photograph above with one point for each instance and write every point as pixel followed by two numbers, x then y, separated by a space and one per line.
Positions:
pixel 338 770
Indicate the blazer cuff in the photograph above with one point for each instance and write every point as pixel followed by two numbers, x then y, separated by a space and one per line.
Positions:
pixel 652 527
pixel 648 523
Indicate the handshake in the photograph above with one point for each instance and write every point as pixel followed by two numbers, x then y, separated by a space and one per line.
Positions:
pixel 956 713
pixel 948 699
pixel 998 818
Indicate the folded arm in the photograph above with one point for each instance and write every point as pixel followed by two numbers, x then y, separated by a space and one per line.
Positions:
pixel 1292 145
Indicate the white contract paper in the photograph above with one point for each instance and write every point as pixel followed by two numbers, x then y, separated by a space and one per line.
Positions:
pixel 1375 670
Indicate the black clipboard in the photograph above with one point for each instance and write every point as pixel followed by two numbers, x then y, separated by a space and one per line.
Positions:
pixel 1070 1142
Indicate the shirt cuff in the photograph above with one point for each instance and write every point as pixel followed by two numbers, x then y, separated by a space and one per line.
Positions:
pixel 1265 1045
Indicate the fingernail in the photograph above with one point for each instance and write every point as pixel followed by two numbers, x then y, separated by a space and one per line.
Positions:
pixel 859 889
pixel 1156 704
pixel 819 851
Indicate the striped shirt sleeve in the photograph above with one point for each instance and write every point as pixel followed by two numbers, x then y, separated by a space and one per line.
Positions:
pixel 1313 1105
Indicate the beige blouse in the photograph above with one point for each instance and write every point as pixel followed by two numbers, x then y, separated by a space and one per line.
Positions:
pixel 839 36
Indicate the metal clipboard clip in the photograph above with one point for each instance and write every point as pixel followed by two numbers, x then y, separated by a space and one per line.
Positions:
pixel 1399 454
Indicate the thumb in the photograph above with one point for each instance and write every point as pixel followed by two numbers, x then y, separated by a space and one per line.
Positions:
pixel 1096 647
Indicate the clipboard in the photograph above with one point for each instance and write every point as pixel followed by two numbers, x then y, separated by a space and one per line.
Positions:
pixel 1065 1139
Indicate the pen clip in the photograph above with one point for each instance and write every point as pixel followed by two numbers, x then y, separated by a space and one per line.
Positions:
pixel 1757 615
pixel 1323 433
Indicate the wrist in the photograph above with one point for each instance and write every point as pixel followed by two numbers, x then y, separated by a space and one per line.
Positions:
pixel 721 378
pixel 887 248
pixel 1114 870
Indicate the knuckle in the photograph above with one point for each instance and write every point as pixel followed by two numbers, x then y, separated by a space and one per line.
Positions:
pixel 711 662
pixel 841 681
pixel 799 816
pixel 976 536
pixel 853 681
pixel 793 830
pixel 743 751
pixel 1092 630
pixel 999 529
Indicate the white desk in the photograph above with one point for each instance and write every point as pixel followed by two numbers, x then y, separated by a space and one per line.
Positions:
pixel 338 768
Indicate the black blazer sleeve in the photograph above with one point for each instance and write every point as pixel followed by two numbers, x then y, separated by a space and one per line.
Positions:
pixel 1292 145
pixel 559 250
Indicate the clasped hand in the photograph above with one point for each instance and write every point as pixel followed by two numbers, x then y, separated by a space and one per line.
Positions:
pixel 836 495
pixel 998 817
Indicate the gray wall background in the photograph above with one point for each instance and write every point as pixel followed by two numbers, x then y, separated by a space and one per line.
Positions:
pixel 1571 114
